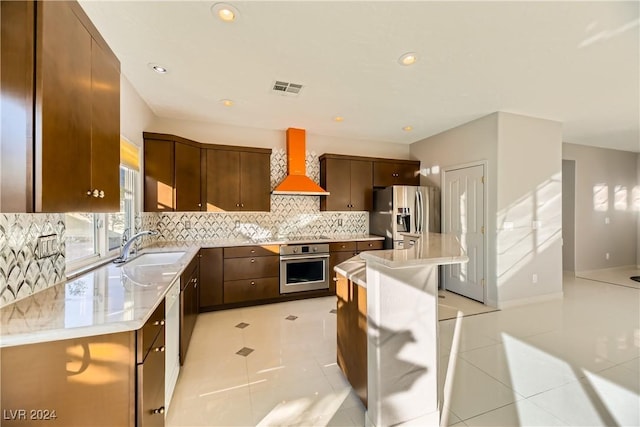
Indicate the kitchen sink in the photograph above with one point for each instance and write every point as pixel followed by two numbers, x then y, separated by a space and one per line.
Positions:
pixel 155 258
pixel 152 268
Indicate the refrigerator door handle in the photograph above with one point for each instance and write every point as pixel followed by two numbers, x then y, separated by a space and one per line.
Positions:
pixel 418 202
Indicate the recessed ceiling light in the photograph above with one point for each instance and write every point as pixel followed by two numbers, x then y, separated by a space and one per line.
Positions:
pixel 159 68
pixel 338 119
pixel 225 12
pixel 408 58
pixel 407 128
pixel 226 102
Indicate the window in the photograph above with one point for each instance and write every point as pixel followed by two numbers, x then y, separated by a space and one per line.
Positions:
pixel 91 237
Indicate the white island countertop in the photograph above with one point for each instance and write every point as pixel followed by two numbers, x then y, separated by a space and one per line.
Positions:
pixel 432 249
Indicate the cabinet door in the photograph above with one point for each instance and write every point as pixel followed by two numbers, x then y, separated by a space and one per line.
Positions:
pixel 251 268
pixel 255 182
pixel 211 283
pixel 188 313
pixel 361 185
pixel 105 130
pixel 384 174
pixel 336 178
pixel 158 175
pixel 62 111
pixel 16 105
pixel 151 386
pixel 336 258
pixel 223 181
pixel 408 174
pixel 187 177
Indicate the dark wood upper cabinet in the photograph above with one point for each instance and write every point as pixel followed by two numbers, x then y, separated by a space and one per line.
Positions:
pixel 187 177
pixel 17 51
pixel 255 181
pixel 350 182
pixel 207 177
pixel 69 159
pixel 351 179
pixel 158 175
pixel 238 180
pixel 222 180
pixel 386 173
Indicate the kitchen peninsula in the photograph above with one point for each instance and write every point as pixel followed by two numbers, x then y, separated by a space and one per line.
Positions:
pixel 388 322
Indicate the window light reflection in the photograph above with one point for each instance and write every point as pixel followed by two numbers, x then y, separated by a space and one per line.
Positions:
pixel 600 197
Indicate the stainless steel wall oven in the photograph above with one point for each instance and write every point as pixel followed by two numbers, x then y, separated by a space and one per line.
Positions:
pixel 304 267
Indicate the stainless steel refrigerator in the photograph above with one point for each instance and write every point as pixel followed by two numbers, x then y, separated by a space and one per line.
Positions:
pixel 403 210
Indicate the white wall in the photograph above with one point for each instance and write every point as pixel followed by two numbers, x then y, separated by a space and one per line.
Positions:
pixel 249 137
pixel 637 210
pixel 530 199
pixel 523 180
pixel 135 114
pixel 471 142
pixel 602 177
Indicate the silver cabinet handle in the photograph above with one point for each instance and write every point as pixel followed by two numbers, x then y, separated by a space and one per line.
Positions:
pixel 253 260
pixel 158 411
pixel 89 193
pixel 335 279
pixel 253 283
pixel 101 194
pixel 159 323
pixel 159 349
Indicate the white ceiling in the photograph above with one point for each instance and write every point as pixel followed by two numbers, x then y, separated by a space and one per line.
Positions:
pixel 574 62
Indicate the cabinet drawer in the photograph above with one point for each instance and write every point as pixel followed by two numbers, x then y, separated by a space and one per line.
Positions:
pixel 251 268
pixel 251 289
pixel 370 245
pixel 251 251
pixel 342 247
pixel 148 333
pixel 151 376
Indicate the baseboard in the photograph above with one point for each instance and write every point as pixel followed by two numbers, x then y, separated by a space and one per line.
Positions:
pixel 524 301
pixel 617 267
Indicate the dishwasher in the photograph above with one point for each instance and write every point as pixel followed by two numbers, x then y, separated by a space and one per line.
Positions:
pixel 172 341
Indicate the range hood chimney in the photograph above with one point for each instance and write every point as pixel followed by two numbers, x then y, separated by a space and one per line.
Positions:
pixel 297 182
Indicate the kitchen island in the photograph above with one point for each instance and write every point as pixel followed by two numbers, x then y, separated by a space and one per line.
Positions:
pixel 390 299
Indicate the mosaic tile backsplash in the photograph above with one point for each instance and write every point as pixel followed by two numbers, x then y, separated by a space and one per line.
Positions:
pixel 22 273
pixel 290 215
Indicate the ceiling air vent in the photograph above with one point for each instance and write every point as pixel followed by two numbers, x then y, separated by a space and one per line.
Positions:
pixel 286 88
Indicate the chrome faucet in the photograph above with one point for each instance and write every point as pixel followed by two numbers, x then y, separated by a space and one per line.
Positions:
pixel 126 247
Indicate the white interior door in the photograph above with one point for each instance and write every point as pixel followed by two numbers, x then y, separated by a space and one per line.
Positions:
pixel 464 217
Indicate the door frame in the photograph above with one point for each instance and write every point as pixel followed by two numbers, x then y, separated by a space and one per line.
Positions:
pixel 443 219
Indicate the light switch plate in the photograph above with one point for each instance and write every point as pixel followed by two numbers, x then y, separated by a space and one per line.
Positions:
pixel 47 245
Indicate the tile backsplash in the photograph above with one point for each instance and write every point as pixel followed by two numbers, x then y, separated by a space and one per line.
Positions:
pixel 290 215
pixel 22 273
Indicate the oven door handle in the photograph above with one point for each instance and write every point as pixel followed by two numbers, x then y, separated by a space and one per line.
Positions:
pixel 302 257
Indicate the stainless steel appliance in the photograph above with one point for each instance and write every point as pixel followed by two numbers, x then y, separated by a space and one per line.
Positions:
pixel 304 267
pixel 404 210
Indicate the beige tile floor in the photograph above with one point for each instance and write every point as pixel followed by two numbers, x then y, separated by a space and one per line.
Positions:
pixel 572 361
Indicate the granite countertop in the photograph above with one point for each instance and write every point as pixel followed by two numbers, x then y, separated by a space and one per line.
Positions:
pixel 354 269
pixel 113 298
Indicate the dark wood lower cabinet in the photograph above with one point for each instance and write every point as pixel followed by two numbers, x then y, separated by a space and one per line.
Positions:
pixel 251 289
pixel 150 385
pixel 189 305
pixel 352 334
pixel 211 280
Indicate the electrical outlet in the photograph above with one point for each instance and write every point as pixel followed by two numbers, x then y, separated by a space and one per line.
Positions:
pixel 187 224
pixel 534 278
pixel 607 256
pixel 339 222
pixel 237 224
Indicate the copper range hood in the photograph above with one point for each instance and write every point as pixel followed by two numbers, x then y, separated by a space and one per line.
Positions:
pixel 297 182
